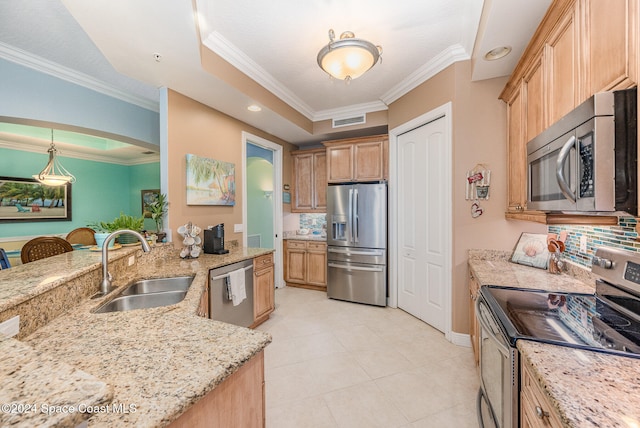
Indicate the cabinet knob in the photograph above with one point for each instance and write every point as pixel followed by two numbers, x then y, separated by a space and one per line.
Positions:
pixel 541 414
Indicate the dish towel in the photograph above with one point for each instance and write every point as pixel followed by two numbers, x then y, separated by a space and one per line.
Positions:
pixel 237 289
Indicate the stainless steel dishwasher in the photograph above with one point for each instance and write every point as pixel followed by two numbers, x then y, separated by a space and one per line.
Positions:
pixel 220 305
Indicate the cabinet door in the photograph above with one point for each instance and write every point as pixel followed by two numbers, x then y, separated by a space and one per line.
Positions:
pixel 517 154
pixel 296 259
pixel 317 263
pixel 263 292
pixel 303 182
pixel 562 59
pixel 320 181
pixel 612 34
pixel 536 410
pixel 368 161
pixel 340 163
pixel 534 102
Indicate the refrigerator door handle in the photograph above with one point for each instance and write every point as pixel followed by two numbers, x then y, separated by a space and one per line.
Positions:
pixel 356 252
pixel 360 268
pixel 355 215
pixel 350 215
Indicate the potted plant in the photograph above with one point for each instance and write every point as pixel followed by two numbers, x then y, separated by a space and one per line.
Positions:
pixel 158 209
pixel 103 229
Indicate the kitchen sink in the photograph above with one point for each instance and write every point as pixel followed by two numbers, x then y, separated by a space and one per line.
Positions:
pixel 142 301
pixel 178 283
pixel 148 293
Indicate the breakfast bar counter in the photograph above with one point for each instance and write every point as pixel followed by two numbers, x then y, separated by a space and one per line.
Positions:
pixel 139 368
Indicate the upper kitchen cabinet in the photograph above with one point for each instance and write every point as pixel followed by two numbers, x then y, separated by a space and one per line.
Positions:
pixel 357 159
pixel 309 181
pixel 580 48
pixel 612 33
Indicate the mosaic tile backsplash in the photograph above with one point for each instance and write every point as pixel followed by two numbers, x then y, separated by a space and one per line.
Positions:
pixel 313 222
pixel 623 236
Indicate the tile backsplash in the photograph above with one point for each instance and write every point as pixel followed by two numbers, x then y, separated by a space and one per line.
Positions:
pixel 623 236
pixel 313 221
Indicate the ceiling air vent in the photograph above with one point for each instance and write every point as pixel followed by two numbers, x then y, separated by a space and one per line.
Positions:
pixel 348 121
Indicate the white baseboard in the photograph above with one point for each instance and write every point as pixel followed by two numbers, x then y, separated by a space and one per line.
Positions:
pixel 460 339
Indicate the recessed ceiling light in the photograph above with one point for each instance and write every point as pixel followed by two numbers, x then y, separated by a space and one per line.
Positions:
pixel 497 53
pixel 254 107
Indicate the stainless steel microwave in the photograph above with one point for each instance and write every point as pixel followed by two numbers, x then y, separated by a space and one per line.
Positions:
pixel 587 161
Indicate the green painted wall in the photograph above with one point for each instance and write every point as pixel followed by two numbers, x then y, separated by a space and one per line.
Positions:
pixel 259 208
pixel 101 192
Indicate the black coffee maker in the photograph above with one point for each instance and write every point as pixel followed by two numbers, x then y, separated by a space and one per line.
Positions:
pixel 214 240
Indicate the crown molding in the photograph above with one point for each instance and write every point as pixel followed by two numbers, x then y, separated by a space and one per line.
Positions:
pixel 350 111
pixel 51 68
pixel 447 57
pixel 70 153
pixel 234 56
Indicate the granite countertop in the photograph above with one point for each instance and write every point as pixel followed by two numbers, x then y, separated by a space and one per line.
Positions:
pixel 138 368
pixel 308 237
pixel 587 388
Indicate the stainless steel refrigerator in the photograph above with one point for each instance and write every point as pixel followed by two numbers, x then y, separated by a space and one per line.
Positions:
pixel 357 243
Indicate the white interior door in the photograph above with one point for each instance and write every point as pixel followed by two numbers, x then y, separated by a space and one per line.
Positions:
pixel 424 175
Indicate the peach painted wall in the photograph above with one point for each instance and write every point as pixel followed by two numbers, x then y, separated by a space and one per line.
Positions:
pixel 194 128
pixel 479 136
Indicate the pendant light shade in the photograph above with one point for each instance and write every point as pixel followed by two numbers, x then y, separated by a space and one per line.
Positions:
pixel 54 174
pixel 348 58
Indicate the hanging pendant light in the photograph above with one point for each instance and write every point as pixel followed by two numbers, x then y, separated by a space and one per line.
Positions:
pixel 54 174
pixel 348 58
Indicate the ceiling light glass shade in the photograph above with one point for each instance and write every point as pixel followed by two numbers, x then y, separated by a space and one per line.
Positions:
pixel 348 58
pixel 54 174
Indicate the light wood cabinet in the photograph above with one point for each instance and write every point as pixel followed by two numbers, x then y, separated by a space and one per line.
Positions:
pixel 536 411
pixel 581 47
pixel 263 288
pixel 305 264
pixel 357 159
pixel 309 181
pixel 474 327
pixel 239 401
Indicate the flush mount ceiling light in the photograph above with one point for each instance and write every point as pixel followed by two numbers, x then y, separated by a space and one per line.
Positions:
pixel 54 174
pixel 497 53
pixel 254 107
pixel 348 58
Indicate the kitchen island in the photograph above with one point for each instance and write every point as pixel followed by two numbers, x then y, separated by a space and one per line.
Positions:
pixel 135 368
pixel 585 388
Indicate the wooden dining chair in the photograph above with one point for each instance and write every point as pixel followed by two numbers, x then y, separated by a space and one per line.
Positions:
pixel 43 247
pixel 82 235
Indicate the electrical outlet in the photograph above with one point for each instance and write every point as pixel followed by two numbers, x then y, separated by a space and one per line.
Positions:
pixel 237 227
pixel 10 327
pixel 583 244
pixel 132 260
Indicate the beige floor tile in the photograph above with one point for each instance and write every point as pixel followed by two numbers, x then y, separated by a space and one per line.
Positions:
pixel 340 364
pixel 364 406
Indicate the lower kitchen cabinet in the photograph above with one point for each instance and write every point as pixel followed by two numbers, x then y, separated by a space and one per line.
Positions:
pixel 535 409
pixel 305 264
pixel 263 288
pixel 474 327
pixel 237 402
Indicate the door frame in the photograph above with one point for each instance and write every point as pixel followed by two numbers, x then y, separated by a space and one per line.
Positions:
pixel 444 111
pixel 277 198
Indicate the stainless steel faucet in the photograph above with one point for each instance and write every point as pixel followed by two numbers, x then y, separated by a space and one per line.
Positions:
pixel 105 285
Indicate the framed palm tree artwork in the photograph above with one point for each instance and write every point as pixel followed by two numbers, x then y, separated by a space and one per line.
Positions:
pixel 25 199
pixel 210 181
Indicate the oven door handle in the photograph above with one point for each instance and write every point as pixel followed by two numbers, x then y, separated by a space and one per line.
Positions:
pixel 562 181
pixel 500 342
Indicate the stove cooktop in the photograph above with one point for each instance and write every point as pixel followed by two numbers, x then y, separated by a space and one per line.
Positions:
pixel 584 321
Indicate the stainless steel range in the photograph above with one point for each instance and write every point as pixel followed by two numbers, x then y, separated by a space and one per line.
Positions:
pixel 608 321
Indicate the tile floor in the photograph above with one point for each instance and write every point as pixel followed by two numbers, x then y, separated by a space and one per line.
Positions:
pixel 340 364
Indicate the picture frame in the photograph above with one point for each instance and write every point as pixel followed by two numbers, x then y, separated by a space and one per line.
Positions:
pixel 210 181
pixel 531 250
pixel 148 197
pixel 28 200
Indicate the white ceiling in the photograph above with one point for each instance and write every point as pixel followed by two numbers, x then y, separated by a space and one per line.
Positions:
pixel 274 43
